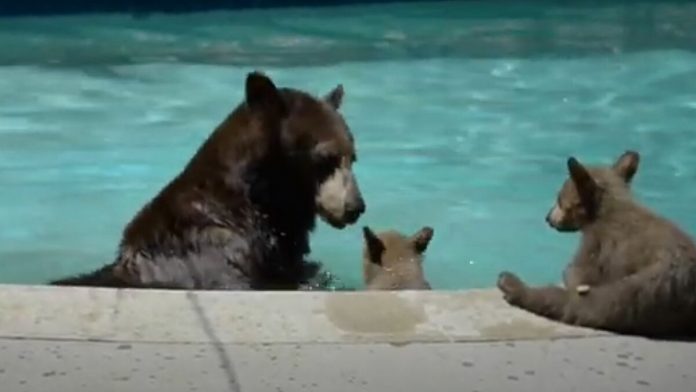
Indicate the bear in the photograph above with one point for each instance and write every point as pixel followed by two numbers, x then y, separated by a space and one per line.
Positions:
pixel 240 213
pixel 634 272
pixel 394 261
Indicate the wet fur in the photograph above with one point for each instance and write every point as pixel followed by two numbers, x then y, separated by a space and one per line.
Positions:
pixel 640 267
pixel 239 215
pixel 394 261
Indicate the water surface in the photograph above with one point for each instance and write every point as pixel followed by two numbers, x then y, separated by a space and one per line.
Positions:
pixel 464 115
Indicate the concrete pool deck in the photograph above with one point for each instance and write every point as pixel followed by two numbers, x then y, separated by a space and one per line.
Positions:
pixel 92 339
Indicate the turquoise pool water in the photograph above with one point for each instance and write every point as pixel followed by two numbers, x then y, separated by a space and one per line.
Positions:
pixel 464 116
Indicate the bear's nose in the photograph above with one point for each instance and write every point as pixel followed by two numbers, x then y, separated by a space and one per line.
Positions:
pixel 354 210
pixel 548 219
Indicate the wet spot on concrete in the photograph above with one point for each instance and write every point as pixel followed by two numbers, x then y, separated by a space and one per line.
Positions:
pixel 49 374
pixel 386 313
pixel 124 347
pixel 2 371
pixel 62 373
pixel 529 372
pixel 513 378
pixel 623 356
pixel 467 364
pixel 22 382
pixel 273 357
pixel 168 358
pixel 642 382
pixel 601 373
pixel 639 358
pixel 124 378
pixel 622 364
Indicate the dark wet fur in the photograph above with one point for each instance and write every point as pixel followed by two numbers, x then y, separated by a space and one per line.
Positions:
pixel 102 277
pixel 239 215
pixel 640 267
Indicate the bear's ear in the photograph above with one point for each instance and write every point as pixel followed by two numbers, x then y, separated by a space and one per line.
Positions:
pixel 584 183
pixel 422 238
pixel 262 95
pixel 627 165
pixel 335 97
pixel 375 247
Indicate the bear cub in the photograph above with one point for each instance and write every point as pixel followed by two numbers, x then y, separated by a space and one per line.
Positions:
pixel 634 271
pixel 394 261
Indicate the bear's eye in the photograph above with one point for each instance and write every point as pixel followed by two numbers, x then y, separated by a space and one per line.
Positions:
pixel 327 164
pixel 332 161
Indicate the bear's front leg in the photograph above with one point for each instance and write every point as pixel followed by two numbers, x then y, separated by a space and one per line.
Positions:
pixel 546 301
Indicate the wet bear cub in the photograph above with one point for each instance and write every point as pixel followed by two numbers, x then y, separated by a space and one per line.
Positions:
pixel 634 271
pixel 393 261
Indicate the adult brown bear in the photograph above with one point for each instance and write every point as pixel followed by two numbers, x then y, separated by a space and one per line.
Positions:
pixel 239 215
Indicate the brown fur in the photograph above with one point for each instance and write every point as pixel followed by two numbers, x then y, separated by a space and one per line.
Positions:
pixel 239 215
pixel 393 261
pixel 641 268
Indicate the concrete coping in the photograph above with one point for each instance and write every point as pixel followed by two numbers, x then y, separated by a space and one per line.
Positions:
pixel 224 317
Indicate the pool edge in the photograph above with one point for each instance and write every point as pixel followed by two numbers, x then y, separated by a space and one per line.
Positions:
pixel 190 317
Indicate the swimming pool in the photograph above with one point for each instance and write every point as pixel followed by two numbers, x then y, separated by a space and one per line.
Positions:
pixel 464 116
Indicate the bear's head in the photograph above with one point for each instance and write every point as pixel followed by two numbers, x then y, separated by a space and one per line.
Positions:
pixel 316 144
pixel 393 261
pixel 590 190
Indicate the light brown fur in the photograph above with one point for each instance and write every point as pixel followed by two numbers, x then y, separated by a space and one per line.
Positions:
pixel 394 261
pixel 640 267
